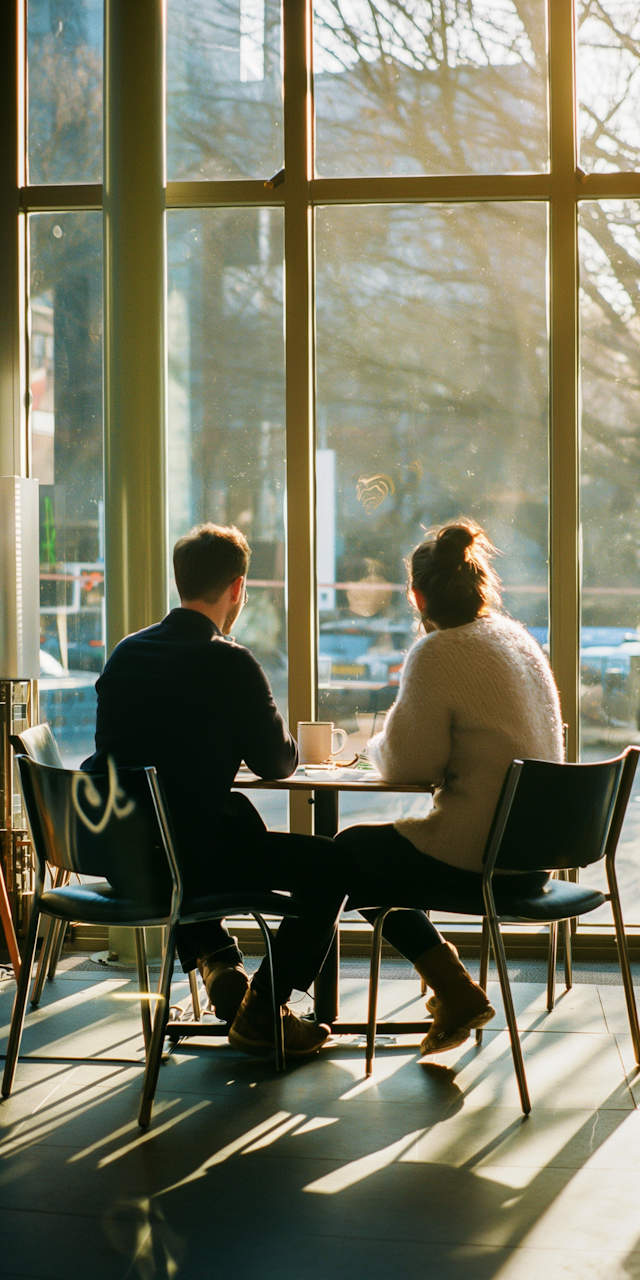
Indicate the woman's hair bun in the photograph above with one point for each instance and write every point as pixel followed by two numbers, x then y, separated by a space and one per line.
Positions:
pixel 452 569
pixel 452 542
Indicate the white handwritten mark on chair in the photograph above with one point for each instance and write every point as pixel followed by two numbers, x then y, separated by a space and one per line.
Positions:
pixel 114 803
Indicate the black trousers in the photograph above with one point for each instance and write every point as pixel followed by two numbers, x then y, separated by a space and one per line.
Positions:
pixel 242 854
pixel 385 869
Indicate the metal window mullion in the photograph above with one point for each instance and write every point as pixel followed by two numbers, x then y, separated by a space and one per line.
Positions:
pixel 564 577
pixel 134 317
pixel 298 239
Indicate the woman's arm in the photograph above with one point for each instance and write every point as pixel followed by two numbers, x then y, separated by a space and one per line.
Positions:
pixel 415 744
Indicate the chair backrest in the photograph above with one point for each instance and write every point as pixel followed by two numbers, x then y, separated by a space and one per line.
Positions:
pixel 557 816
pixel 39 744
pixel 112 825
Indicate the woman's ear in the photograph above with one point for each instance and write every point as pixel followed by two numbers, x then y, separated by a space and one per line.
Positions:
pixel 420 600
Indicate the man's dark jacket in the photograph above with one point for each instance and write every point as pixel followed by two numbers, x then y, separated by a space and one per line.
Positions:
pixel 192 702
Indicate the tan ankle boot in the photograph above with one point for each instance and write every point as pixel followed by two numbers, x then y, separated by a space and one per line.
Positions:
pixel 459 1005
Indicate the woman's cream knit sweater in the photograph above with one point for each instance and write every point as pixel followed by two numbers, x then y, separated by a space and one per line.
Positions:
pixel 471 700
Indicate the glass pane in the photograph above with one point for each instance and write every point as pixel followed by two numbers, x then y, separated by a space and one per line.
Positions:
pixel 65 350
pixel 64 54
pixel 227 411
pixel 224 89
pixel 609 84
pixel 430 86
pixel 610 648
pixel 432 403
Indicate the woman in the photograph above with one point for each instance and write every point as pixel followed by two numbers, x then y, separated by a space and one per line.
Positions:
pixel 476 692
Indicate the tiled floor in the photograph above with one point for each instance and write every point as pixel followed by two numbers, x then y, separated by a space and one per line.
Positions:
pixel 427 1170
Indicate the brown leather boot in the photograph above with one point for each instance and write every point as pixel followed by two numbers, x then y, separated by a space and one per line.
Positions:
pixel 226 985
pixel 458 1005
pixel 252 1029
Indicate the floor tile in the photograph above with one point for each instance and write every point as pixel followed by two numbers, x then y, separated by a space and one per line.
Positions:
pixel 576 1010
pixel 544 1139
pixel 614 1007
pixel 563 1071
pixel 81 1021
pixel 57 1246
pixel 629 1064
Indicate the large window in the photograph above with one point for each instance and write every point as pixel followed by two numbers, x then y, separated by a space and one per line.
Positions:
pixel 431 312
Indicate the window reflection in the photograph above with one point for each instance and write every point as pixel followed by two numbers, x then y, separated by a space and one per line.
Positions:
pixel 608 72
pixel 65 421
pixel 64 59
pixel 452 86
pixel 224 89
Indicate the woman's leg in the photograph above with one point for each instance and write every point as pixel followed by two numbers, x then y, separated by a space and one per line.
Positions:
pixel 409 930
pixel 388 872
pixel 395 873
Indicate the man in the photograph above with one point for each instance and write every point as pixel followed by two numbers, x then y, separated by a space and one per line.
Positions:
pixel 185 697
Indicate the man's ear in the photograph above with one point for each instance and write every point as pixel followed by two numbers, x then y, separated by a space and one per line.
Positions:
pixel 236 589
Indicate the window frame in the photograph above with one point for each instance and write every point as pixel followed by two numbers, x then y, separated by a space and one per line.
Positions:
pixel 562 189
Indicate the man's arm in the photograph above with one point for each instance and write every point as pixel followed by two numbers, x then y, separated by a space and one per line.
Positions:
pixel 264 740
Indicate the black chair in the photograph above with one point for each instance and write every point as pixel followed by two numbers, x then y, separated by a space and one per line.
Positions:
pixel 40 745
pixel 550 817
pixel 116 826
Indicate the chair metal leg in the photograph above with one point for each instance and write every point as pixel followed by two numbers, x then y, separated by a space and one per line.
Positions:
pixel 160 1019
pixel 485 950
pixel 143 983
pixel 58 931
pixel 552 961
pixel 568 956
pixel 623 958
pixel 195 995
pixel 20 1004
pixel 516 1048
pixel 43 962
pixel 278 1030
pixel 566 875
pixel 56 950
pixel 374 978
pixel 423 981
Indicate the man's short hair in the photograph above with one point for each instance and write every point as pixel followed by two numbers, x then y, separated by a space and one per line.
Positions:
pixel 208 559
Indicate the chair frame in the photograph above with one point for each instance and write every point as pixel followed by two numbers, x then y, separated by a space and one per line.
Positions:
pixel 491 932
pixel 154 1029
pixel 53 940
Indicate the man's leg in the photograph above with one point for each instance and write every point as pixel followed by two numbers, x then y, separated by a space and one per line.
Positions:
pixel 210 939
pixel 208 944
pixel 309 868
pixel 313 871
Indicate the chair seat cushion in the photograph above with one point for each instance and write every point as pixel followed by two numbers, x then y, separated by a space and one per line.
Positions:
pixel 98 903
pixel 558 900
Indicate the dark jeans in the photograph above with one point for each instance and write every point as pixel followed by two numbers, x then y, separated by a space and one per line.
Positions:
pixel 390 871
pixel 245 856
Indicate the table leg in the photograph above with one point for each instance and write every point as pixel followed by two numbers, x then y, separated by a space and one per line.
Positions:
pixel 325 808
pixel 327 984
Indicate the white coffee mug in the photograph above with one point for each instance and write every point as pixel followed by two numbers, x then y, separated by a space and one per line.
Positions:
pixel 316 741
